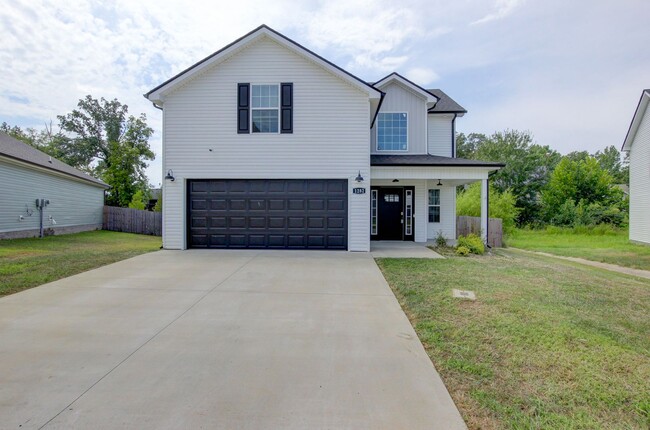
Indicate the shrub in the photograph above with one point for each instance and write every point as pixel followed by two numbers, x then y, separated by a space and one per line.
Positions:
pixel 463 251
pixel 441 240
pixel 502 205
pixel 472 242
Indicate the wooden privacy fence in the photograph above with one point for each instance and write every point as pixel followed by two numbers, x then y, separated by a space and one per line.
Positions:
pixel 132 221
pixel 472 224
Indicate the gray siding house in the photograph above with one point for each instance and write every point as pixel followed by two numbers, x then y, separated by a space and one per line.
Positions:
pixel 637 144
pixel 268 145
pixel 27 174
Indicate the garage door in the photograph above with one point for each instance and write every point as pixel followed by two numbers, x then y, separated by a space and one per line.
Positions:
pixel 281 214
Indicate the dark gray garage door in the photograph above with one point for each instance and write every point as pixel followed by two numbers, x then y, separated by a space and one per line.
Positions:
pixel 293 214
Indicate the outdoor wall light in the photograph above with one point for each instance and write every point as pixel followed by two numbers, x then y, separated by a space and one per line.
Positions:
pixel 395 180
pixel 359 178
pixel 439 184
pixel 170 175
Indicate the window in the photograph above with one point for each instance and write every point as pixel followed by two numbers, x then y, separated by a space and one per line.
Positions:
pixel 392 131
pixel 434 205
pixel 391 198
pixel 373 212
pixel 409 213
pixel 265 108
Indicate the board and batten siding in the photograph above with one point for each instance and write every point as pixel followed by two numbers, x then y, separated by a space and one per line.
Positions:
pixel 331 131
pixel 640 182
pixel 73 203
pixel 399 99
pixel 439 134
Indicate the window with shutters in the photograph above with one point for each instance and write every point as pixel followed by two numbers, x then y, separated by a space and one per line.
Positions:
pixel 265 108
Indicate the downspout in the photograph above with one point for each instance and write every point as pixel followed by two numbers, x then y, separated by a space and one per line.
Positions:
pixel 453 136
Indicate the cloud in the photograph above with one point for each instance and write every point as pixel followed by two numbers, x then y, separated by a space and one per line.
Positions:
pixel 503 9
pixel 422 75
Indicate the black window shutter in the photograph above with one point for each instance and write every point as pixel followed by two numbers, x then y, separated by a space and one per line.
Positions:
pixel 286 108
pixel 243 108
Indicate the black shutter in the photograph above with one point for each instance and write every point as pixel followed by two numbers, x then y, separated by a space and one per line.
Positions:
pixel 286 108
pixel 243 108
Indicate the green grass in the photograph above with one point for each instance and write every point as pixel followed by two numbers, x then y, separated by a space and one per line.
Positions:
pixel 611 247
pixel 548 344
pixel 27 263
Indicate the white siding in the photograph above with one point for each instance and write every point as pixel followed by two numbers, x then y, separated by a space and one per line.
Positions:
pixel 72 202
pixel 329 141
pixel 400 99
pixel 640 182
pixel 447 224
pixel 439 134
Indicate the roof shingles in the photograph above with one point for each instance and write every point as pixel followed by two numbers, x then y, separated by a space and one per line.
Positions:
pixel 14 148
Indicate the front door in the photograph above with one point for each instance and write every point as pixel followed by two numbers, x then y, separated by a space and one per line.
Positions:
pixel 394 213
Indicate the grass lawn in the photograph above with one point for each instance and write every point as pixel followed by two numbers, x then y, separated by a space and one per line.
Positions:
pixel 547 344
pixel 613 248
pixel 27 263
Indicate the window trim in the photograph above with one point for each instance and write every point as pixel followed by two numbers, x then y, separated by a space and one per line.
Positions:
pixel 377 133
pixel 439 205
pixel 374 212
pixel 278 108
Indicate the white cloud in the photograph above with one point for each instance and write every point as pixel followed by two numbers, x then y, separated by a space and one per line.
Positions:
pixel 422 75
pixel 503 9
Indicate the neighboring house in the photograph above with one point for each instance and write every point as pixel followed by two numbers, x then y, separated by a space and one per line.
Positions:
pixel 27 175
pixel 637 144
pixel 153 199
pixel 268 145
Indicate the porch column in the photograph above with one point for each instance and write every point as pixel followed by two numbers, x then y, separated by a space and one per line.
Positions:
pixel 485 193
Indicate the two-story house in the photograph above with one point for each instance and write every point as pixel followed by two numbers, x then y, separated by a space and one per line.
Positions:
pixel 268 145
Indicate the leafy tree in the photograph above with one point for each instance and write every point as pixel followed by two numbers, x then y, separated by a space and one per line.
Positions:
pixel 610 160
pixel 578 155
pixel 159 204
pixel 106 141
pixel 583 191
pixel 502 205
pixel 137 202
pixel 528 168
pixel 466 146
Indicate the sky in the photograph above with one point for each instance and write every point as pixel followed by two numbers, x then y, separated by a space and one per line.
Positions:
pixel 568 71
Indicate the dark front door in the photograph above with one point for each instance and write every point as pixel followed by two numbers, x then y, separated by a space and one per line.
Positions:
pixel 275 213
pixel 392 213
pixel 390 204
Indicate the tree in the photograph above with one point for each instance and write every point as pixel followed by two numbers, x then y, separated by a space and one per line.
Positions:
pixel 137 202
pixel 581 191
pixel 528 167
pixel 502 205
pixel 610 160
pixel 466 146
pixel 106 141
pixel 159 204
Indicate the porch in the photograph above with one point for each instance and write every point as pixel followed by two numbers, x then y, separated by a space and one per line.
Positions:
pixel 413 197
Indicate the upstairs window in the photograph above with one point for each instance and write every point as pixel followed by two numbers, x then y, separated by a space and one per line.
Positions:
pixel 265 108
pixel 392 131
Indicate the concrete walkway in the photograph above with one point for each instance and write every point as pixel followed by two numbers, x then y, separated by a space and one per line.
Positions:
pixel 611 267
pixel 219 340
pixel 401 249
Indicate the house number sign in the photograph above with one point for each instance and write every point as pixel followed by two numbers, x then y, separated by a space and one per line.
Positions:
pixel 358 190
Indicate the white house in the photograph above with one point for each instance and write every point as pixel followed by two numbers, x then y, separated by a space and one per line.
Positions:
pixel 69 200
pixel 268 145
pixel 637 144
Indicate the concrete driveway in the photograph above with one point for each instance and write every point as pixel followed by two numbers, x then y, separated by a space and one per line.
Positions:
pixel 211 339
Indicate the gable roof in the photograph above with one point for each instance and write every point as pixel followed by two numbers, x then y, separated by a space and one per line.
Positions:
pixel 445 103
pixel 430 97
pixel 155 94
pixel 636 120
pixel 17 150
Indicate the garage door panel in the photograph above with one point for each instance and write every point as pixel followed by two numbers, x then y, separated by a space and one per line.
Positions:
pixel 296 214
